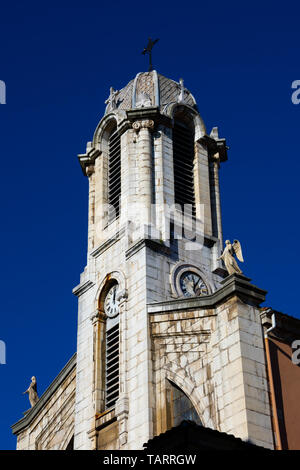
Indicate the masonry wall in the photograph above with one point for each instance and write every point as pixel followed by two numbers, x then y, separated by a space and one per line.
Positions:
pixel 115 250
pixel 216 356
pixel 53 427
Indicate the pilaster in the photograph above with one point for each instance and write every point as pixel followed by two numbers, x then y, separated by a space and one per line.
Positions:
pixel 202 187
pixel 122 404
pixel 143 129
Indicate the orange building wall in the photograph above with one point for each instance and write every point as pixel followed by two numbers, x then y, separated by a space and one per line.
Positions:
pixel 286 378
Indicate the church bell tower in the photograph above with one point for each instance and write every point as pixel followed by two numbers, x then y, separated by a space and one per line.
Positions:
pixel 163 333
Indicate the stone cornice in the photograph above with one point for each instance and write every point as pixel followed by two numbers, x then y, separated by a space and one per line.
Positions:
pixel 36 409
pixel 143 113
pixel 215 146
pixel 123 126
pixel 233 285
pixel 107 243
pixel 103 419
pixel 149 113
pixel 160 246
pixel 209 240
pixel 147 243
pixel 82 288
pixel 88 159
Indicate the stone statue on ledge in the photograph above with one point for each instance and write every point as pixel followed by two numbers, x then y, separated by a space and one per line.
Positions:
pixel 227 256
pixel 112 99
pixel 32 392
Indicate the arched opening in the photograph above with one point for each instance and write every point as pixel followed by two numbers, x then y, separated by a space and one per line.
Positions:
pixel 109 304
pixel 114 173
pixel 181 407
pixel 183 162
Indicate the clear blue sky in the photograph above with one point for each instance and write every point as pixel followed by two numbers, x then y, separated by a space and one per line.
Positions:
pixel 58 63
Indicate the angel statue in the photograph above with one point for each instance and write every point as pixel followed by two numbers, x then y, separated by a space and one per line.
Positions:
pixel 32 392
pixel 227 256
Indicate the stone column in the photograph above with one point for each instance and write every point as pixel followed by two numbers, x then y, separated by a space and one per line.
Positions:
pixel 98 319
pixel 202 189
pixel 216 166
pixel 90 172
pixel 143 128
pixel 122 404
pixel 164 184
pixel 101 196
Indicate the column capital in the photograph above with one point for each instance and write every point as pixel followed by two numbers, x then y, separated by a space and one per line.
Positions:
pixel 143 124
pixel 97 316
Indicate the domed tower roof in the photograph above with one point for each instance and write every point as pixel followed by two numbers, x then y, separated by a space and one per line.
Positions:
pixel 150 89
pixel 152 96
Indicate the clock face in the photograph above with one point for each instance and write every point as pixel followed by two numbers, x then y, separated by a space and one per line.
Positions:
pixel 192 285
pixel 111 304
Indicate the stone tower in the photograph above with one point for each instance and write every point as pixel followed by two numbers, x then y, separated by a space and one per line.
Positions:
pixel 163 334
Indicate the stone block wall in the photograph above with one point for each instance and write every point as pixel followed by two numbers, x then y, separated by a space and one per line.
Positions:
pixel 216 356
pixel 49 425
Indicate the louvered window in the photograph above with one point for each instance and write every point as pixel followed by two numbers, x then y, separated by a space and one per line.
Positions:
pixel 112 366
pixel 183 161
pixel 114 174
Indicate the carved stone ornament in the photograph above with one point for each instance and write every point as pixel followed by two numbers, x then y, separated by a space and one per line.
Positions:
pixel 180 98
pixel 143 100
pixel 146 124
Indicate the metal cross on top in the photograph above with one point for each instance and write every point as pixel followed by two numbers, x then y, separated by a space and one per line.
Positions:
pixel 148 50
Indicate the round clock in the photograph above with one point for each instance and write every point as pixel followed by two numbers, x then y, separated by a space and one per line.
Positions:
pixel 111 304
pixel 192 284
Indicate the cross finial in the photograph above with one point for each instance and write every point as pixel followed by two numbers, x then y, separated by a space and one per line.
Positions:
pixel 148 50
